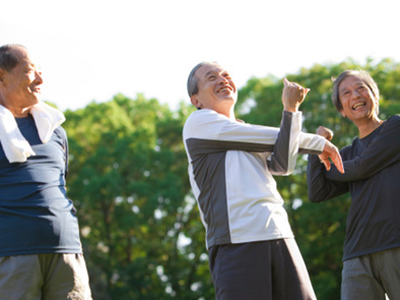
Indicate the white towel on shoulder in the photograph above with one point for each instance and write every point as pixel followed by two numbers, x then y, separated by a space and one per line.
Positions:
pixel 15 146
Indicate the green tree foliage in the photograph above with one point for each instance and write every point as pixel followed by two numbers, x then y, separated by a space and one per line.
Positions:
pixel 128 179
pixel 319 228
pixel 140 226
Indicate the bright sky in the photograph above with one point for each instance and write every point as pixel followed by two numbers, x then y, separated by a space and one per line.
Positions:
pixel 94 49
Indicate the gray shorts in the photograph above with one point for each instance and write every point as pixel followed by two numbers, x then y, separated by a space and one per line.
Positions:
pixel 369 277
pixel 260 270
pixel 44 276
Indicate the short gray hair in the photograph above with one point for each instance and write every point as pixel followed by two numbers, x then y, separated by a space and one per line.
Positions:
pixel 192 86
pixel 364 76
pixel 8 60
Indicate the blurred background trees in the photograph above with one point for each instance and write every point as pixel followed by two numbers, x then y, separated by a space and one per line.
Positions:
pixel 140 227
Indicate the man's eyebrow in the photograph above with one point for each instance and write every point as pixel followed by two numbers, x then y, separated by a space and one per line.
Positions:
pixel 341 90
pixel 209 73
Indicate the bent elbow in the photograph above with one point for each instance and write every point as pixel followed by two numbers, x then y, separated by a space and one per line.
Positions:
pixel 314 199
pixel 280 171
pixel 315 196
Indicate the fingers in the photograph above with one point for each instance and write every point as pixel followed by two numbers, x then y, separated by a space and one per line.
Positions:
pixel 285 82
pixel 330 151
pixel 327 163
pixel 325 132
pixel 337 160
pixel 288 83
pixel 293 95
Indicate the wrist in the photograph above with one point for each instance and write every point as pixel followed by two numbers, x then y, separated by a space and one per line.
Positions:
pixel 290 109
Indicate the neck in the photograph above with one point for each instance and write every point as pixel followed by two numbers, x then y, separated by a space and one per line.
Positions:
pixel 23 114
pixel 18 112
pixel 366 127
pixel 229 113
pixel 227 110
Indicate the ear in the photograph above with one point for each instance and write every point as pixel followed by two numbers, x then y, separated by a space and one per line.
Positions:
pixel 195 101
pixel 342 113
pixel 2 75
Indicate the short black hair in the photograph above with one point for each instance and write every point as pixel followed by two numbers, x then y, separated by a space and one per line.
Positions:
pixel 8 60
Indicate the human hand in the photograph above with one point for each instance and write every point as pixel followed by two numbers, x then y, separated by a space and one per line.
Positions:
pixel 325 132
pixel 293 95
pixel 330 151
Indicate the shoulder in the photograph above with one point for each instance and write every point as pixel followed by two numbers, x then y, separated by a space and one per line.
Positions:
pixel 395 119
pixel 61 133
pixel 391 124
pixel 208 124
pixel 204 114
pixel 204 118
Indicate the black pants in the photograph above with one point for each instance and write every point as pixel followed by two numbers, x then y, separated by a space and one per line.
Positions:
pixel 267 270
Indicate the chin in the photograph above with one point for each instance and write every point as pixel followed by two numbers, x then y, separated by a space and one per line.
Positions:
pixel 32 102
pixel 36 99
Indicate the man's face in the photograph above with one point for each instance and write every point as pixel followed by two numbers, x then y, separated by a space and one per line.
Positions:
pixel 21 85
pixel 216 89
pixel 356 98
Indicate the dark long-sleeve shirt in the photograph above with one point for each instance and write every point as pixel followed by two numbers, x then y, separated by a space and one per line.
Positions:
pixel 372 176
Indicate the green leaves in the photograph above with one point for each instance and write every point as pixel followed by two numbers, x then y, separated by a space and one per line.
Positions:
pixel 140 226
pixel 128 178
pixel 319 228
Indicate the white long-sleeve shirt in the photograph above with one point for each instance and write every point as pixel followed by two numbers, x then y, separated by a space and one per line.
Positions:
pixel 230 168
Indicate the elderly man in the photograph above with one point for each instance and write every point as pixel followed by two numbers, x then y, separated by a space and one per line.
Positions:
pixel 40 249
pixel 253 254
pixel 371 259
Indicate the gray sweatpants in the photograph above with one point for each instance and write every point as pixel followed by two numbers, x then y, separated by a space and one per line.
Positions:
pixel 369 277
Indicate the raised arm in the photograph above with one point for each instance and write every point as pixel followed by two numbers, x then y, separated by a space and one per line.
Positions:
pixel 283 159
pixel 292 96
pixel 206 132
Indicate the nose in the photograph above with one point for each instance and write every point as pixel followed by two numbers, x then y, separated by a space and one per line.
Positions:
pixel 38 77
pixel 222 80
pixel 355 93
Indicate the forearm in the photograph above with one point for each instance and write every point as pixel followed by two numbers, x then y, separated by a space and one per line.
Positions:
pixel 360 168
pixel 311 143
pixel 283 159
pixel 319 187
pixel 380 152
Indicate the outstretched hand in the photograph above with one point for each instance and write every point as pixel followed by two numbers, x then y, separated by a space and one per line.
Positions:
pixel 293 95
pixel 330 150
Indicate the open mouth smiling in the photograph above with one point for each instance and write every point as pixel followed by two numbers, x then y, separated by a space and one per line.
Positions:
pixel 224 89
pixel 358 105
